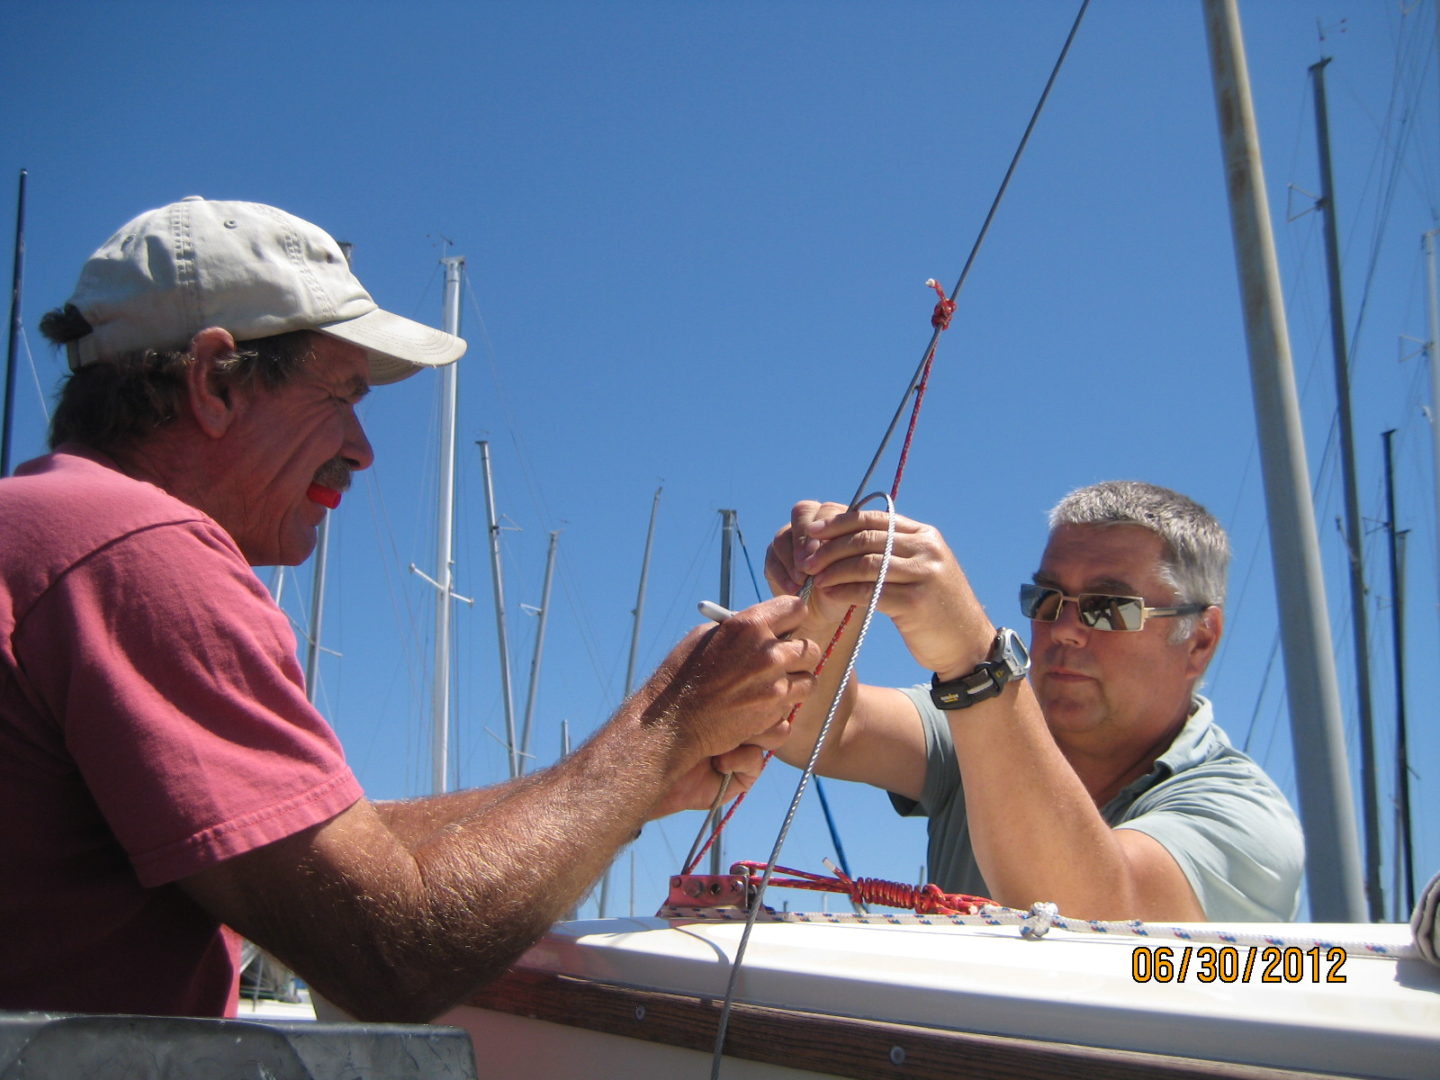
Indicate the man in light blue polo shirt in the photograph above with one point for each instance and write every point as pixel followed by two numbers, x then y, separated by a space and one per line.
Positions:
pixel 1101 783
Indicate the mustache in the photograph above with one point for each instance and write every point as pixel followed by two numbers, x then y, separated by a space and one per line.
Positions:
pixel 334 474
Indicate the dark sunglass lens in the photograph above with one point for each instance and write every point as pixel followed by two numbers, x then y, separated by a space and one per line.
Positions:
pixel 1095 611
pixel 1038 602
pixel 1111 612
pixel 1129 613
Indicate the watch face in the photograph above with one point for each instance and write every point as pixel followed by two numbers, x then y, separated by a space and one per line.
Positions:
pixel 1014 653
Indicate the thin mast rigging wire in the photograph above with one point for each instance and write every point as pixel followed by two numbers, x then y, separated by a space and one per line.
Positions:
pixel 939 324
pixel 974 250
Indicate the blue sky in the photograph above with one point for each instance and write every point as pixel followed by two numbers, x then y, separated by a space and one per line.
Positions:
pixel 697 238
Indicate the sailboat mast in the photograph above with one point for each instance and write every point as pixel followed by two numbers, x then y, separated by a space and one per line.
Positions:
pixel 444 539
pixel 640 595
pixel 13 360
pixel 502 637
pixel 1326 807
pixel 1354 535
pixel 727 559
pixel 544 614
pixel 317 586
pixel 1404 839
pixel 604 903
pixel 1432 350
pixel 317 609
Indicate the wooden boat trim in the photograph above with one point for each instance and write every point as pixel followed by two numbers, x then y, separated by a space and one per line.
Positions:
pixel 834 1045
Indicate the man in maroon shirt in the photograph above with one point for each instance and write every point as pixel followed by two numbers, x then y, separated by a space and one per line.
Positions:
pixel 162 775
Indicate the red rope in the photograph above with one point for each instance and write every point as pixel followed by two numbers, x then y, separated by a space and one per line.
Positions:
pixel 944 308
pixel 922 899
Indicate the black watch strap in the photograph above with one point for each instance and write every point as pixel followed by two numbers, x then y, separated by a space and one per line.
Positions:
pixel 1008 660
pixel 980 685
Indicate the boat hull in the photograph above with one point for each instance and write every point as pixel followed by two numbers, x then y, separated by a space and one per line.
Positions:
pixel 642 997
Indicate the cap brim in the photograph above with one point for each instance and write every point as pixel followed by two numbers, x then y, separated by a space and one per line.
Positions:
pixel 397 347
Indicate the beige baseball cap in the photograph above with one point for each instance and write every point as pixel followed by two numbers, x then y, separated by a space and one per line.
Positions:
pixel 245 267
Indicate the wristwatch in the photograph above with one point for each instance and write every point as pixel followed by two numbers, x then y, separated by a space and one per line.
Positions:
pixel 1008 660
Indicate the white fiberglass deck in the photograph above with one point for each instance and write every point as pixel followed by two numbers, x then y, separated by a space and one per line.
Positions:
pixel 1382 1020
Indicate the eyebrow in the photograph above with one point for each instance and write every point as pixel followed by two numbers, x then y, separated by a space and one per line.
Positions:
pixel 1115 586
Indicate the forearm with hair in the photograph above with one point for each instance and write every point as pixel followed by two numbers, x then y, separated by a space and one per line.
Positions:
pixel 415 821
pixel 456 910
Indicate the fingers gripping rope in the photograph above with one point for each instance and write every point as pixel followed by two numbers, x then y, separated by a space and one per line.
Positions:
pixel 696 855
pixel 940 320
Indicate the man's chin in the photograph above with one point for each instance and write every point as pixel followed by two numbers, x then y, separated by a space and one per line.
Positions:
pixel 1071 711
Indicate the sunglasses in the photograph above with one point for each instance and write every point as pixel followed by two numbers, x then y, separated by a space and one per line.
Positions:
pixel 1097 610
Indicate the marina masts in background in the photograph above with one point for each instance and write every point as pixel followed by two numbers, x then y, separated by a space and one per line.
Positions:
pixel 1404 839
pixel 13 360
pixel 634 649
pixel 502 637
pixel 640 595
pixel 445 534
pixel 727 562
pixel 543 611
pixel 1323 779
pixel 1354 532
pixel 444 579
pixel 318 573
pixel 1432 344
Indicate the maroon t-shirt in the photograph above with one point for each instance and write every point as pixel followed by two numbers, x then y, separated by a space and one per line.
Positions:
pixel 153 722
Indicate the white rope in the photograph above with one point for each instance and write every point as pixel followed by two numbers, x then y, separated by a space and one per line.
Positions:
pixel 756 903
pixel 1036 922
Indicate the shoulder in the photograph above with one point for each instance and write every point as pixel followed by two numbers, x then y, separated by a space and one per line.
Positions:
pixel 1229 826
pixel 1219 783
pixel 1202 757
pixel 74 506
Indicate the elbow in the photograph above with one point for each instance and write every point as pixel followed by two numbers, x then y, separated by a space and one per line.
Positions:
pixel 396 1001
pixel 415 989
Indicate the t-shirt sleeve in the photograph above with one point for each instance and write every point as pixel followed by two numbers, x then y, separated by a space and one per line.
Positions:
pixel 1234 836
pixel 949 851
pixel 942 772
pixel 183 705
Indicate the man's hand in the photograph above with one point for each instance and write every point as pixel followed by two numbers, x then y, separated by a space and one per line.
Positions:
pixel 725 684
pixel 926 593
pixel 696 790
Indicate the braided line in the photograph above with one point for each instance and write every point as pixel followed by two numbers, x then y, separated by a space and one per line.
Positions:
pixel 927 899
pixel 995 915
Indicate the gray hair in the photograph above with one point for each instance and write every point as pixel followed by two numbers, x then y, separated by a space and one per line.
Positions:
pixel 122 401
pixel 1196 553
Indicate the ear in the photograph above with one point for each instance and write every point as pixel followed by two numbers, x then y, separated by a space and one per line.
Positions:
pixel 208 393
pixel 1203 642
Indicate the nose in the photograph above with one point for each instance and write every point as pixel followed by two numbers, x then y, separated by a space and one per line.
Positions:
pixel 1067 629
pixel 357 451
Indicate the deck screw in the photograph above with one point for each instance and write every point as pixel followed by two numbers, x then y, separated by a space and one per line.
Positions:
pixel 639 1012
pixel 897 1055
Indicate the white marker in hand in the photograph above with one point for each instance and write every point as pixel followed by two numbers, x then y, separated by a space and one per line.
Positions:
pixel 713 611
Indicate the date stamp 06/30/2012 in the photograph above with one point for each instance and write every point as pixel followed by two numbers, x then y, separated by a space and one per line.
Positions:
pixel 1242 964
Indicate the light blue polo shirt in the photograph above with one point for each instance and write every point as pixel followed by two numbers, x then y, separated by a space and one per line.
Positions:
pixel 1213 808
